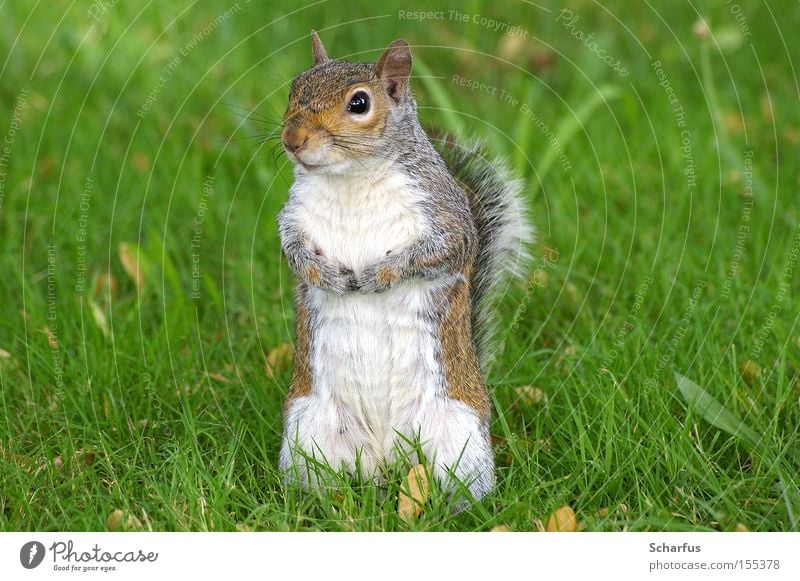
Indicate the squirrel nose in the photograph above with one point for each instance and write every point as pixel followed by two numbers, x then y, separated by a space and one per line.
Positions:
pixel 293 142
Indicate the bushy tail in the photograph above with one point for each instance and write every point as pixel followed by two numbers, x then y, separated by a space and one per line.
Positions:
pixel 505 231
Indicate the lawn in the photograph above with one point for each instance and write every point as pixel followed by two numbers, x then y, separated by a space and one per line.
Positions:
pixel 648 368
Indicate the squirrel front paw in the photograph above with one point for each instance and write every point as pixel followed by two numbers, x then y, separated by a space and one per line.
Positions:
pixel 378 277
pixel 328 276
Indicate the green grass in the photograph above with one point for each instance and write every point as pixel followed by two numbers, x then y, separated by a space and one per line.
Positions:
pixel 639 273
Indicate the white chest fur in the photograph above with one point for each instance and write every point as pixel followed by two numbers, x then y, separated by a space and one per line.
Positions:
pixel 373 356
pixel 356 220
pixel 377 378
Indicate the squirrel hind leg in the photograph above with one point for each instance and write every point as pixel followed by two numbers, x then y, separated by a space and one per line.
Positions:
pixel 456 444
pixel 316 450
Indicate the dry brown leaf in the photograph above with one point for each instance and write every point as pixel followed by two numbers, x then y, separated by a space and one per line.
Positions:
pixel 766 108
pixel 99 317
pixel 46 164
pixel 121 520
pixel 741 528
pixel 568 352
pixel 141 162
pixel 530 395
pixel 218 377
pixel 750 371
pixel 279 360
pixel 131 263
pixel 4 354
pixel 413 494
pixel 700 29
pixel 562 520
pixel 105 284
pixel 82 458
pixel 24 463
pixel 51 338
pixel 500 529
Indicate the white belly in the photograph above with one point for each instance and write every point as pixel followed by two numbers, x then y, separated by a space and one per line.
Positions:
pixel 374 357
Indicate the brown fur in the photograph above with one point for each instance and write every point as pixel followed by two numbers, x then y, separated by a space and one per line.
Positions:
pixel 301 378
pixel 464 381
pixel 318 110
pixel 386 276
pixel 313 274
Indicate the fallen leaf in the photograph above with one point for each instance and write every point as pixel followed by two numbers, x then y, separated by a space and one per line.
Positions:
pixel 530 395
pixel 567 353
pixel 413 495
pixel 4 354
pixel 750 371
pixel 141 162
pixel 104 285
pixel 46 164
pixel 500 529
pixel 562 520
pixel 81 458
pixel 279 359
pixel 99 317
pixel 741 528
pixel 121 520
pixel 218 377
pixel 129 257
pixel 51 338
pixel 700 29
pixel 766 108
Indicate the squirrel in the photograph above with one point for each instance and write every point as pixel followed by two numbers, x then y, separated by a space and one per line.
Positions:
pixel 397 248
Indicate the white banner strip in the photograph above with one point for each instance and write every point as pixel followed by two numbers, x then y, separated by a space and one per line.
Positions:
pixel 402 556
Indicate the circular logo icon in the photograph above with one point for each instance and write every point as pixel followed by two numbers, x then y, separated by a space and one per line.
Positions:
pixel 31 554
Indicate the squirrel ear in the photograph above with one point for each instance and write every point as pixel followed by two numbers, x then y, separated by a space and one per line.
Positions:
pixel 394 67
pixel 317 50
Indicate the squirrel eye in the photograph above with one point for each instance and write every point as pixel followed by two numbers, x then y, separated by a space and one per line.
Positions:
pixel 359 103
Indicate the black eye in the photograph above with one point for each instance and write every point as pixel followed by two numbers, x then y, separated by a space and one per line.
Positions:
pixel 359 103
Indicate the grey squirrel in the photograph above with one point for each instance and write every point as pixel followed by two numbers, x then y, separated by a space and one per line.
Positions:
pixel 397 248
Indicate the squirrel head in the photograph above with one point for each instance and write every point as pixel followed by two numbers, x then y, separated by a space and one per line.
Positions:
pixel 342 114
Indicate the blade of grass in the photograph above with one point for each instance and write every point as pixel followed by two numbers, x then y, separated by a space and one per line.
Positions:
pixel 567 129
pixel 716 414
pixel 440 98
